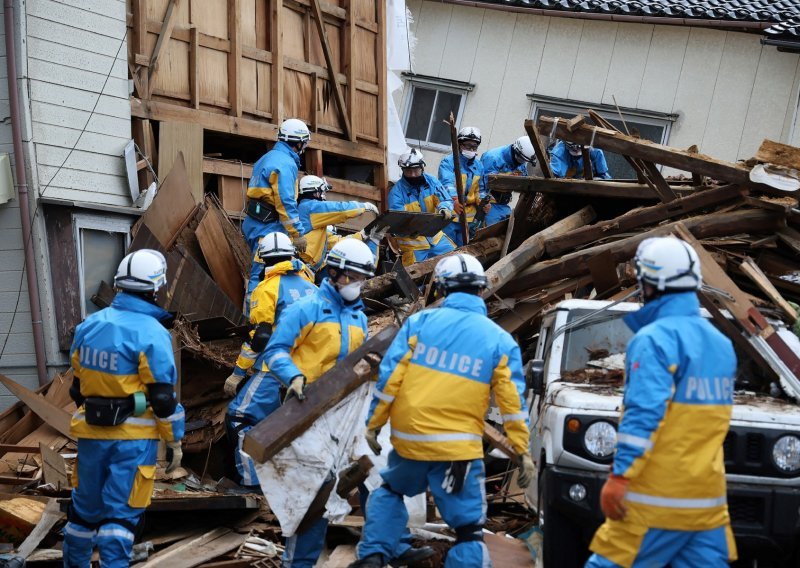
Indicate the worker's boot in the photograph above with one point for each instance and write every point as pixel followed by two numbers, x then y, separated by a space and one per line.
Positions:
pixel 371 561
pixel 412 557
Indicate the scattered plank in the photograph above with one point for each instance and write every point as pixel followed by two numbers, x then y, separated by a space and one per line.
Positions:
pixel 172 205
pixel 182 139
pixel 220 257
pixel 54 468
pixel 46 410
pixel 605 189
pixel 754 273
pixel 341 557
pixel 779 154
pixel 19 515
pixel 196 550
pixel 50 516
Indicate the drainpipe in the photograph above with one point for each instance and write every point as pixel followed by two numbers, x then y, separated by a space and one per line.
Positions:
pixel 22 188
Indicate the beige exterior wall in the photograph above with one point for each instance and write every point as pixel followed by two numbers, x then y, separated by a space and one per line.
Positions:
pixel 729 91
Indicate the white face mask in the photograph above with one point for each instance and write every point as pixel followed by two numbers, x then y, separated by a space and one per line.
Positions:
pixel 469 154
pixel 351 292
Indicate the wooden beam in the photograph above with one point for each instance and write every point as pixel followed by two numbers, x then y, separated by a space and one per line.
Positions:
pixel 790 238
pixel 194 68
pixel 658 153
pixel 140 46
pixel 573 187
pixel 53 416
pixel 381 173
pixel 349 56
pixel 541 155
pixel 337 87
pixel 276 39
pixel 380 286
pixel 524 311
pixel 659 184
pixel 641 217
pixel 234 57
pixel 754 273
pixel 460 190
pixel 163 37
pixel 532 249
pixel 294 417
pixel 779 154
pixel 703 226
pixel 161 111
pixel 588 174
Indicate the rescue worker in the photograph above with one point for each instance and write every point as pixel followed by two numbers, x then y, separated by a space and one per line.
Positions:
pixel 285 280
pixel 566 161
pixel 437 438
pixel 422 193
pixel 124 374
pixel 272 192
pixel 317 214
pixel 512 159
pixel 665 499
pixel 315 333
pixel 475 192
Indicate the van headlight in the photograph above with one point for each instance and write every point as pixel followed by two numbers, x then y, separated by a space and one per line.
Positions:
pixel 786 454
pixel 600 439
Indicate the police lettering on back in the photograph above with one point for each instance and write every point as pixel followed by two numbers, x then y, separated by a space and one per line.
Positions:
pixel 447 361
pixel 98 359
pixel 709 390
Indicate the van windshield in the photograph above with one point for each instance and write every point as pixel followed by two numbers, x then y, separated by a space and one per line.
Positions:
pixel 593 339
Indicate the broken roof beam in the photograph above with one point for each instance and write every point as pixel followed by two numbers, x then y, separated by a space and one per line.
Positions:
pixel 619 143
pixel 642 217
pixel 702 226
pixel 576 187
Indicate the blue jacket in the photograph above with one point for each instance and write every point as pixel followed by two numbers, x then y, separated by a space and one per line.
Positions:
pixel 501 161
pixel 472 176
pixel 565 165
pixel 274 181
pixel 436 377
pixel 316 215
pixel 314 334
pixel 677 406
pixel 117 352
pixel 429 198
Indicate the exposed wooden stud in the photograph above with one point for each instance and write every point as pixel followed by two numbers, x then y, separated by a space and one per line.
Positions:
pixel 234 57
pixel 349 61
pixel 665 192
pixel 588 174
pixel 381 173
pixel 337 87
pixel 163 37
pixel 314 102
pixel 140 46
pixel 276 37
pixel 194 69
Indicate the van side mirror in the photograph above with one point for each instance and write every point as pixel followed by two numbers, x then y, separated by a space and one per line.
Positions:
pixel 534 375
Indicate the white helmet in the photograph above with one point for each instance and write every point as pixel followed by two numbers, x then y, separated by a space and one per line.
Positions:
pixel 469 133
pixel 294 130
pixel 411 159
pixel 668 263
pixel 143 270
pixel 458 271
pixel 274 245
pixel 351 254
pixel 313 184
pixel 523 149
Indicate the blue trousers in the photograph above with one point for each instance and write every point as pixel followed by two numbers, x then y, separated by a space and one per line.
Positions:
pixel 444 246
pixel 497 213
pixel 114 483
pixel 678 549
pixel 387 515
pixel 258 399
pixel 453 232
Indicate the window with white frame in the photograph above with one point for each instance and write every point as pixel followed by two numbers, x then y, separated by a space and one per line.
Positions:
pixel 101 243
pixel 650 125
pixel 428 104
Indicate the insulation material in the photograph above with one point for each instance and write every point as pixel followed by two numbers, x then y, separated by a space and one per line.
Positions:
pixel 292 478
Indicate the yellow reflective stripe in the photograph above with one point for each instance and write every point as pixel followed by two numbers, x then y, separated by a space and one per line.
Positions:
pixel 145 373
pixel 513 417
pixel 635 441
pixel 383 396
pixel 676 503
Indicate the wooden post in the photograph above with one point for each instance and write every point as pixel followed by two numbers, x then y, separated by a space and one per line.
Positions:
pixel 350 61
pixel 587 164
pixel 140 45
pixel 459 180
pixel 194 68
pixel 163 37
pixel 234 57
pixel 381 174
pixel 276 38
pixel 332 75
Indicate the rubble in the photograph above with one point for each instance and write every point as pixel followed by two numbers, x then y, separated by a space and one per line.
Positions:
pixel 566 239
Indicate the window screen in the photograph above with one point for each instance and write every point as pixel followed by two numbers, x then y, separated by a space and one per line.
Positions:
pixel 427 111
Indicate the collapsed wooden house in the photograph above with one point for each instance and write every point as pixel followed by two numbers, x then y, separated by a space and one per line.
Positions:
pixel 566 238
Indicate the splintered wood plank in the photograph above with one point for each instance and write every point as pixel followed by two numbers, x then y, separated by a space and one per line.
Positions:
pixel 54 468
pixel 176 138
pixel 46 410
pixel 50 516
pixel 19 516
pixel 754 273
pixel 196 550
pixel 341 557
pixel 219 256
pixel 172 206
pixel 779 154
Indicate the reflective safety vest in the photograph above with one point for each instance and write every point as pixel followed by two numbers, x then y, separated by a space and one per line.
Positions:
pixel 471 175
pixel 428 198
pixel 316 216
pixel 274 181
pixel 435 381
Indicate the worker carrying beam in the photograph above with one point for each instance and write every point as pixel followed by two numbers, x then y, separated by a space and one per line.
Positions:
pixel 511 159
pixel 419 192
pixel 437 437
pixel 124 376
pixel 665 499
pixel 318 214
pixel 475 192
pixel 566 161
pixel 272 192
pixel 284 280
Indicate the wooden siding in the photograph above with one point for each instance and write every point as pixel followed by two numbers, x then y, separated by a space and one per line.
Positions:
pixel 76 52
pixel 729 91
